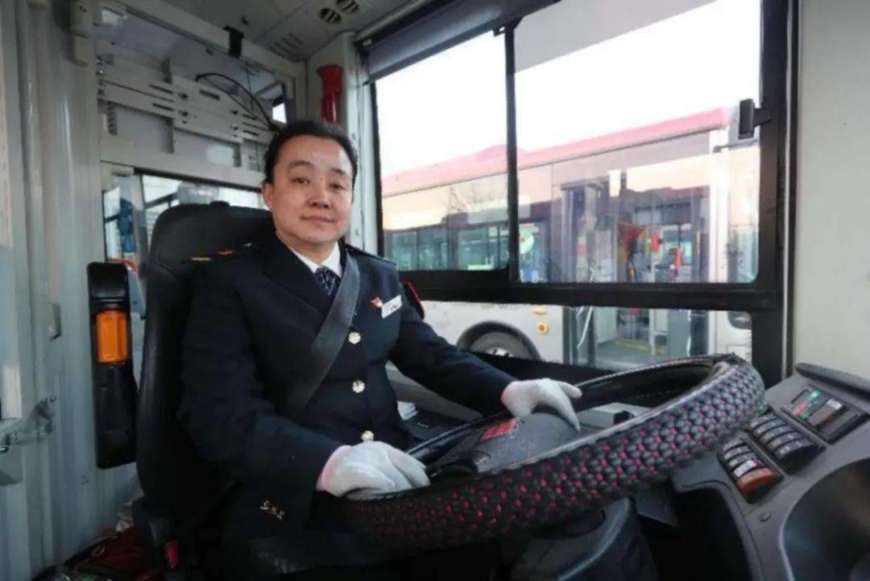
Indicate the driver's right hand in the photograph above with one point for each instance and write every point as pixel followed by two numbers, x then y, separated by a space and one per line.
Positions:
pixel 370 467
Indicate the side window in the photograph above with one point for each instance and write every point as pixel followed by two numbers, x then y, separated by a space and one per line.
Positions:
pixel 628 143
pixel 130 210
pixel 629 170
pixel 444 184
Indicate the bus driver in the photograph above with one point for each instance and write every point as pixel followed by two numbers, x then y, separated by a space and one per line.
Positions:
pixel 254 317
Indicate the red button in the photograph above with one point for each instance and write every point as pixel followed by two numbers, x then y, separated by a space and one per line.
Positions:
pixel 756 482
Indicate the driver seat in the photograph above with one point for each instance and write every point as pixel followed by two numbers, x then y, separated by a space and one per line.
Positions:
pixel 181 491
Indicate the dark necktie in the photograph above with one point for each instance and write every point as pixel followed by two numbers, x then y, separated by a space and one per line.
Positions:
pixel 328 280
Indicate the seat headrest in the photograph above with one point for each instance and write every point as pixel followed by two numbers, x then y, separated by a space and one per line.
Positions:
pixel 187 231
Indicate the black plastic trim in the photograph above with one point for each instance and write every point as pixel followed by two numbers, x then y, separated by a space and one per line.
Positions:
pixel 485 285
pixel 841 379
pixel 376 147
pixel 513 185
pixel 790 225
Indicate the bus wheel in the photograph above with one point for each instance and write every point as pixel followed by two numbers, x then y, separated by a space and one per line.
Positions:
pixel 500 343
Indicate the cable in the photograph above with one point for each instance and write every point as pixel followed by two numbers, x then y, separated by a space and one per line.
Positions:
pixel 266 116
pixel 244 107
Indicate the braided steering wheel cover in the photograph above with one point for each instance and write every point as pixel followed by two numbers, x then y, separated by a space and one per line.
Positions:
pixel 585 474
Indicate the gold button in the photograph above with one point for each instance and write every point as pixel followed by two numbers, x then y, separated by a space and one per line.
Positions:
pixel 367 436
pixel 359 386
pixel 354 337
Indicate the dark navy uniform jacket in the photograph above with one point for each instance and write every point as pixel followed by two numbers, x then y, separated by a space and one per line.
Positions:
pixel 253 319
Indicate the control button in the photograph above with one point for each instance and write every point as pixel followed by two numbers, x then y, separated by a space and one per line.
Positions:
pixel 734 452
pixel 826 414
pixel 839 427
pixel 731 445
pixel 737 461
pixel 800 396
pixel 808 403
pixel 766 427
pixel 773 434
pixel 760 420
pixel 795 454
pixel 354 337
pixel 367 436
pixel 791 448
pixel 785 439
pixel 359 386
pixel 755 483
pixel 745 467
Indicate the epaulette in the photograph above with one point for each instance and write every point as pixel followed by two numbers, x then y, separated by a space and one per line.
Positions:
pixel 221 254
pixel 414 298
pixel 359 251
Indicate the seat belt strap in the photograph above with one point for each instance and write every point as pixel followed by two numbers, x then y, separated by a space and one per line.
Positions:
pixel 327 344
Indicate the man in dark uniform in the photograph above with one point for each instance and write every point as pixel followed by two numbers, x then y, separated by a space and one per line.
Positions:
pixel 253 319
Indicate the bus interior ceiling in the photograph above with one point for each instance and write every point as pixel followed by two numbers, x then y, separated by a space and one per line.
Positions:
pixel 112 111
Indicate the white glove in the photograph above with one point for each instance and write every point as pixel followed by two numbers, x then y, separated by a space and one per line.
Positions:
pixel 370 467
pixel 521 397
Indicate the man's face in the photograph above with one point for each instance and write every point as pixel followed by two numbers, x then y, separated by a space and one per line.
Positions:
pixel 310 197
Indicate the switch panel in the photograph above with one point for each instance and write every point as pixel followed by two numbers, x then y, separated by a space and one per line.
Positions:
pixel 791 448
pixel 826 416
pixel 749 472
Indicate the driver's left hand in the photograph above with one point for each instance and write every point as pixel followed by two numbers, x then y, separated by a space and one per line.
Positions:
pixel 521 397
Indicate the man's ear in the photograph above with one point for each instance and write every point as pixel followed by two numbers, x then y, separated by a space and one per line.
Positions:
pixel 268 191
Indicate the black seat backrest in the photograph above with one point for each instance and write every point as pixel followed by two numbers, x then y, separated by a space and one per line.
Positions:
pixel 173 478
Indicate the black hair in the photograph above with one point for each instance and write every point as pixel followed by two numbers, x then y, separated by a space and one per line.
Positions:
pixel 306 127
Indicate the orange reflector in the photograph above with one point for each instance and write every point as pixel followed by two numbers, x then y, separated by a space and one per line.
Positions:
pixel 112 337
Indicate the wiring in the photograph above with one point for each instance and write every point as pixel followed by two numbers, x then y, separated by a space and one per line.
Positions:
pixel 266 118
pixel 244 107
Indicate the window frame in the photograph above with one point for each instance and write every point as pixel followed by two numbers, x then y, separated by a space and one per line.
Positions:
pixel 764 299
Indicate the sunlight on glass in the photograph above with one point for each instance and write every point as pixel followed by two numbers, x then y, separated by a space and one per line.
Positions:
pixel 442 124
pixel 690 63
pixel 628 149
pixel 630 168
pixel 279 113
pixel 447 106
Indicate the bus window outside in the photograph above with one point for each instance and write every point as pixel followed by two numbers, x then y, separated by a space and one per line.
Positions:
pixel 629 171
pixel 132 206
pixel 648 118
pixel 607 338
pixel 130 210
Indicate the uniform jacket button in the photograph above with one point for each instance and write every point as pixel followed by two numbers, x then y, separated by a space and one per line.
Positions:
pixel 367 436
pixel 359 386
pixel 354 337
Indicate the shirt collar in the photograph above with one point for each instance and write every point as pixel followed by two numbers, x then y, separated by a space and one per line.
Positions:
pixel 332 262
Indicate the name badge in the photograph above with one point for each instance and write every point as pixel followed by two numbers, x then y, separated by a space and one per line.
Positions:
pixel 391 306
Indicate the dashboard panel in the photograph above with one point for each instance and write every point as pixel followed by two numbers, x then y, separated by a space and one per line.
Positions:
pixel 797 481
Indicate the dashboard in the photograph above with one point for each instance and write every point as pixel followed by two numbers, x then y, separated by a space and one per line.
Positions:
pixel 796 482
pixel 788 498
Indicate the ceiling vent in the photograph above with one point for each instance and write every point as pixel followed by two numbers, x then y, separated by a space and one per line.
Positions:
pixel 349 7
pixel 288 46
pixel 330 16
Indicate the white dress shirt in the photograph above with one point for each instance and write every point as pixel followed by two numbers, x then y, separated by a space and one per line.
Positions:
pixel 332 262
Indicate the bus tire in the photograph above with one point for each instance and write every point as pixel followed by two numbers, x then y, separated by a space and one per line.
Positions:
pixel 501 343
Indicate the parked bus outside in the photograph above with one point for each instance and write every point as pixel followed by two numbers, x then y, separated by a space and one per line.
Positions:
pixel 634 223
pixel 655 186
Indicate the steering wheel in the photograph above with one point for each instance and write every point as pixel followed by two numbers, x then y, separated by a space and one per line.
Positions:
pixel 499 475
